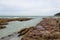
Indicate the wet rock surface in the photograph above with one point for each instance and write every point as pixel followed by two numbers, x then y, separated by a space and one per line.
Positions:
pixel 47 29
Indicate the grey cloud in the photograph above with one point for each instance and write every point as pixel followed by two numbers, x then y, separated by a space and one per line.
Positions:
pixel 14 7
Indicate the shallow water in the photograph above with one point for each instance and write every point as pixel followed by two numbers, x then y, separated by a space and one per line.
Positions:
pixel 15 26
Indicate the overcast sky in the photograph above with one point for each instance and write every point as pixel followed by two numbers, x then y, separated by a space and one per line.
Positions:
pixel 29 7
